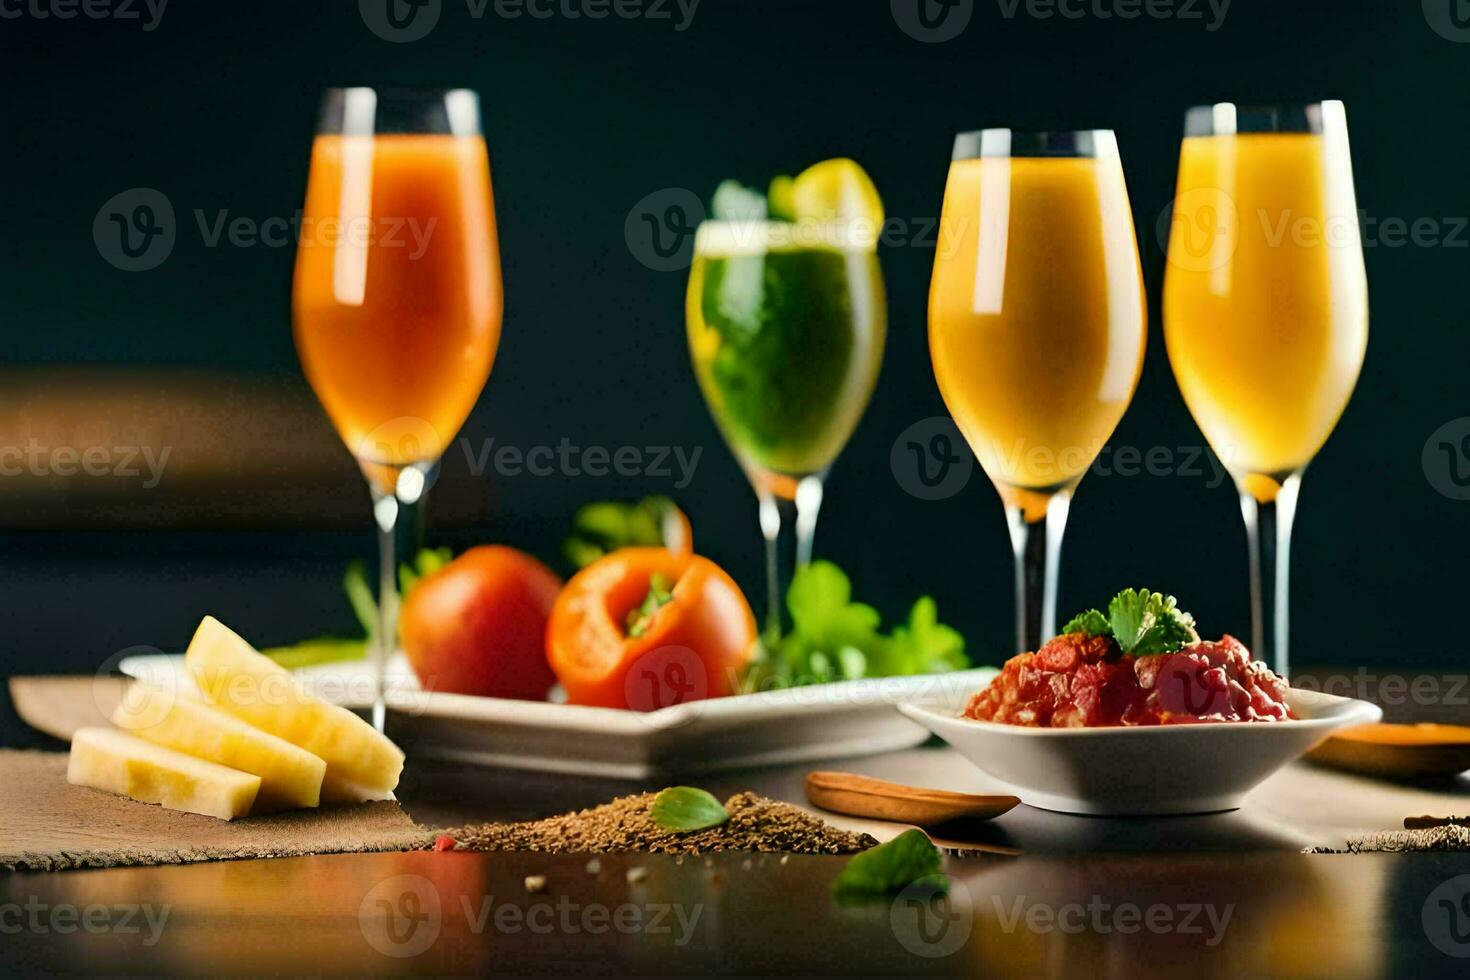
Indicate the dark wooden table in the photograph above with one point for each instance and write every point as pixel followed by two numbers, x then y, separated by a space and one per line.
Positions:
pixel 1224 894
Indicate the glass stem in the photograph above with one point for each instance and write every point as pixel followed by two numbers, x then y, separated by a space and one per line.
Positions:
pixel 385 510
pixel 1268 527
pixel 777 516
pixel 772 521
pixel 1038 549
pixel 396 513
pixel 808 503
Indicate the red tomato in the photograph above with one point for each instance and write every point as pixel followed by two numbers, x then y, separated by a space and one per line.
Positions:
pixel 478 625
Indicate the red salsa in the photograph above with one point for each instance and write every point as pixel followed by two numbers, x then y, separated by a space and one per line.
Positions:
pixel 1078 681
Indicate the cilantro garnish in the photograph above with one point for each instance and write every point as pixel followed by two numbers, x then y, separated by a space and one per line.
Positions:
pixel 1142 622
pixel 1091 622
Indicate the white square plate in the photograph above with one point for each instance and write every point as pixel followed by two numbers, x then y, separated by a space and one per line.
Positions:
pixel 823 721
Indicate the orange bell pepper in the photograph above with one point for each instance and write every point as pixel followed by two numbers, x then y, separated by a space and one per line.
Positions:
pixel 645 628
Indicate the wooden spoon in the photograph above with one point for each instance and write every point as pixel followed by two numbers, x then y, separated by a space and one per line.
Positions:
pixel 1397 751
pixel 863 796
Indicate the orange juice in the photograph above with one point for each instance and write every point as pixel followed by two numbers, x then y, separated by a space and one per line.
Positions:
pixel 1036 314
pixel 1265 297
pixel 397 299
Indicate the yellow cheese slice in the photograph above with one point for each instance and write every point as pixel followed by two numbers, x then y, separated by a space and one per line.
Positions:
pixel 237 679
pixel 107 759
pixel 290 777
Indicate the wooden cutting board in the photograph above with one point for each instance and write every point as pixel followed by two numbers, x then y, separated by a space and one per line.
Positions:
pixel 59 706
pixel 47 824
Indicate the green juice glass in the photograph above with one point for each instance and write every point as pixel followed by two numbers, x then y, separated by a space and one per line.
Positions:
pixel 787 324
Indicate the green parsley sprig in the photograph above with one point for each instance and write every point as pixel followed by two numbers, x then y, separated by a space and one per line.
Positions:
pixel 1142 622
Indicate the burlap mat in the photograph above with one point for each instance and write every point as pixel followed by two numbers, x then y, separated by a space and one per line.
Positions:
pixel 46 824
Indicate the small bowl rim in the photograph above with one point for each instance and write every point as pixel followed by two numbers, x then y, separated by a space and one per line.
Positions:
pixel 1342 712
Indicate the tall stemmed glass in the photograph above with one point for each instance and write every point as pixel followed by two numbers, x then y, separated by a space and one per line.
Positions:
pixel 1266 312
pixel 786 323
pixel 396 303
pixel 1037 327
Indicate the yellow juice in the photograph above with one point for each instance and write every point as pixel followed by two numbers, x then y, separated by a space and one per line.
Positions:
pixel 1037 319
pixel 1265 297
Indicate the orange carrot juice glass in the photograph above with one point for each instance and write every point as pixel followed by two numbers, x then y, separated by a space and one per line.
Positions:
pixel 396 303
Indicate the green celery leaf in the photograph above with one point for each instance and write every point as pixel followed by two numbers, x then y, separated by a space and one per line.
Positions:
pixel 360 594
pixel 820 604
pixel 684 808
pixel 924 644
pixel 834 638
pixel 852 663
pixel 890 867
pixel 605 526
pixel 322 650
pixel 430 560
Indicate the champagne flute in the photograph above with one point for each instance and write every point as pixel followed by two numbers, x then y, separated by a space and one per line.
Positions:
pixel 786 326
pixel 396 301
pixel 1266 313
pixel 1037 326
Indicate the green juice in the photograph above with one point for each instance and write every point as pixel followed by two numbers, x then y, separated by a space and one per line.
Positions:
pixel 786 343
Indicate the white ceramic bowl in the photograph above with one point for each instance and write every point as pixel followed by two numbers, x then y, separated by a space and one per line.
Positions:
pixel 1150 770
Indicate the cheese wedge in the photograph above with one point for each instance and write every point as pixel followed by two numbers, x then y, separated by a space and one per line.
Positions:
pixel 107 759
pixel 252 687
pixel 338 791
pixel 290 777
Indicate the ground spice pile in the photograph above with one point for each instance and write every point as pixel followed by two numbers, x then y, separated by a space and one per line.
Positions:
pixel 756 824
pixel 1451 837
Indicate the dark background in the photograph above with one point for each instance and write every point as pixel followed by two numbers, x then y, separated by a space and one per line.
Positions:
pixel 215 108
